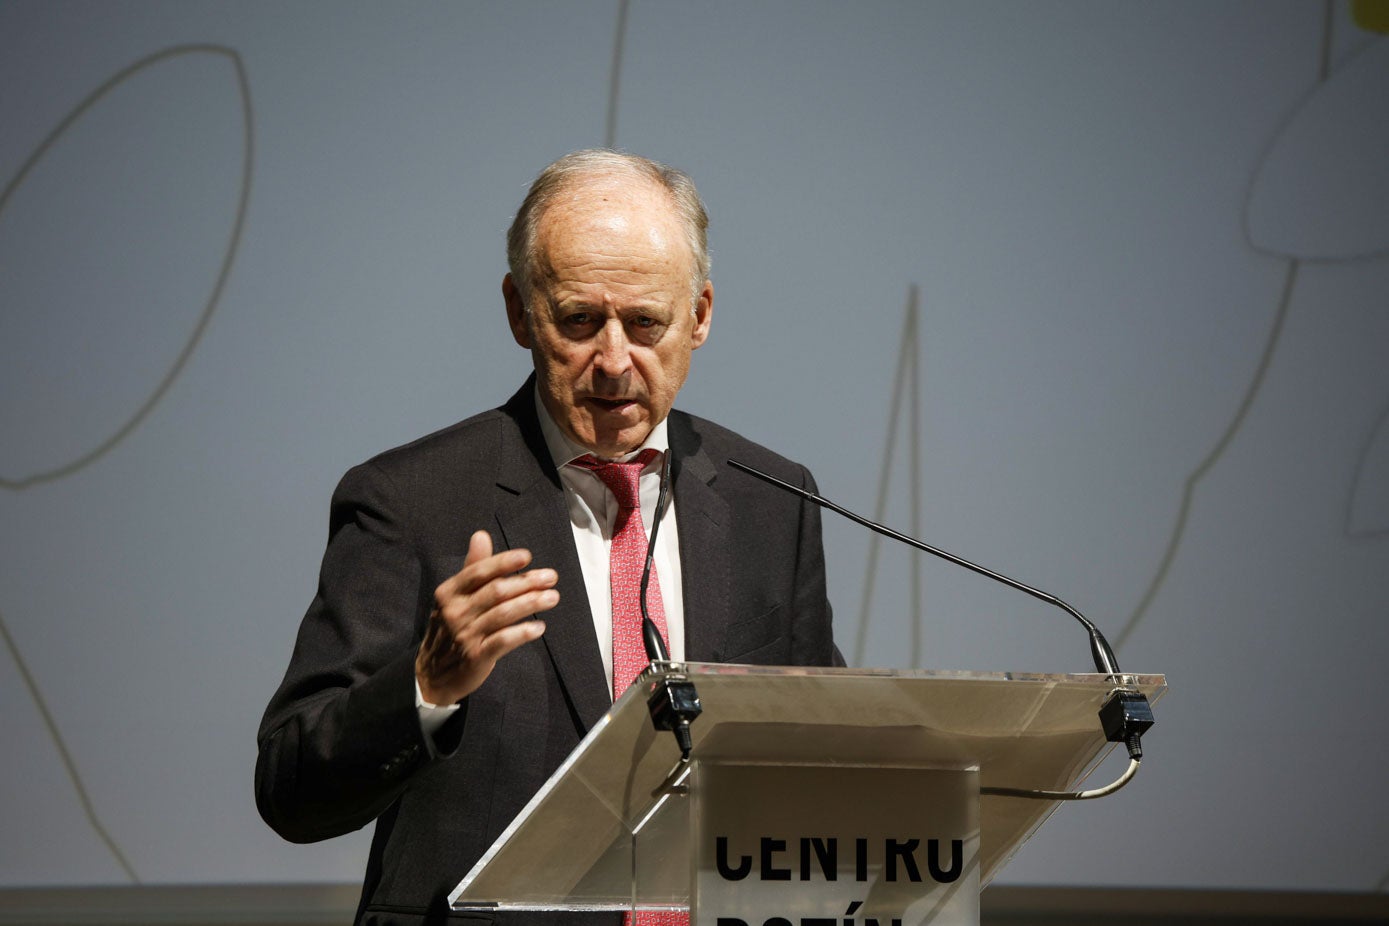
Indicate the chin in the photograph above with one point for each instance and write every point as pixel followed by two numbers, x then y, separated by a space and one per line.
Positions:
pixel 610 443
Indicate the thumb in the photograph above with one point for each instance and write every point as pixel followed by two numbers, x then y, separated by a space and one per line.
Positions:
pixel 479 547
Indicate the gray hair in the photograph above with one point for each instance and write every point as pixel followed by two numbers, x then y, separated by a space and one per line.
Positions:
pixel 570 170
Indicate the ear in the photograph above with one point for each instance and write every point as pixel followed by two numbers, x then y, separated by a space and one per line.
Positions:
pixel 703 315
pixel 516 312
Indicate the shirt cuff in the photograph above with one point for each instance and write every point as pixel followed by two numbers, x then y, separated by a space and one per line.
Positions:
pixel 432 716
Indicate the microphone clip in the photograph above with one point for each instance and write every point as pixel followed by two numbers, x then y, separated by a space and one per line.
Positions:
pixel 673 704
pixel 1125 717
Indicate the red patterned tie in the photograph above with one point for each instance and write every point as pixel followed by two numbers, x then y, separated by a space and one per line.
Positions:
pixel 625 561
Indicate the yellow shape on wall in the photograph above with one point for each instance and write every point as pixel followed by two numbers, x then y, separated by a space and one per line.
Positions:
pixel 1372 15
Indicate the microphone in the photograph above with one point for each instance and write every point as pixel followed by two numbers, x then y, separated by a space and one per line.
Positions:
pixel 1125 716
pixel 673 702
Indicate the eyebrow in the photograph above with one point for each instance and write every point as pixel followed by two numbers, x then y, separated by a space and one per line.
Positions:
pixel 650 308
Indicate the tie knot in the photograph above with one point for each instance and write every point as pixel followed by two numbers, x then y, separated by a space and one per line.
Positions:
pixel 620 478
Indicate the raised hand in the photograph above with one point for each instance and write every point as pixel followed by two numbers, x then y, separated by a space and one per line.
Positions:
pixel 480 615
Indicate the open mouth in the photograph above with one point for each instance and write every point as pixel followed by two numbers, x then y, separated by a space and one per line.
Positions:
pixel 611 405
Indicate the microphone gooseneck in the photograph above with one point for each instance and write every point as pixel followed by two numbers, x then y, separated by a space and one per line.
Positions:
pixel 650 634
pixel 1099 647
pixel 1125 716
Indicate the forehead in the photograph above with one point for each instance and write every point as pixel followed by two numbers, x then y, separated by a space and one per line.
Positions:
pixel 616 224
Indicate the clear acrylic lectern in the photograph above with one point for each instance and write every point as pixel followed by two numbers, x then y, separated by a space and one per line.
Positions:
pixel 609 831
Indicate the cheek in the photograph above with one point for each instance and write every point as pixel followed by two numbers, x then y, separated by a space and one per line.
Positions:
pixel 667 374
pixel 563 364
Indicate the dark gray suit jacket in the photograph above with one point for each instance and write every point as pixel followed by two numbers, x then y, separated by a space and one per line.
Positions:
pixel 340 743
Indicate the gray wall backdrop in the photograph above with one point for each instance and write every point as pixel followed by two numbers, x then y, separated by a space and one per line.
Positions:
pixel 246 245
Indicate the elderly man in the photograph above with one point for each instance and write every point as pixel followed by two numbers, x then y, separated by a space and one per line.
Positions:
pixel 426 693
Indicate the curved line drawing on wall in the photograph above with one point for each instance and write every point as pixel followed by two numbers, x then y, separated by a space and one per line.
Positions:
pixel 1259 210
pixel 905 379
pixel 1367 505
pixel 1196 475
pixel 69 765
pixel 615 76
pixel 73 466
pixel 1320 192
pixel 85 459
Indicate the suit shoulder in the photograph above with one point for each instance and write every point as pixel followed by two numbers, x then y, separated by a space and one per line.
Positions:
pixel 478 433
pixel 722 444
pixel 466 449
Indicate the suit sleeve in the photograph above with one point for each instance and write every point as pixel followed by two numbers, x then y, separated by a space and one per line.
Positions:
pixel 341 737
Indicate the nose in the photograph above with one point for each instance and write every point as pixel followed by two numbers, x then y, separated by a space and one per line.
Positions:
pixel 614 358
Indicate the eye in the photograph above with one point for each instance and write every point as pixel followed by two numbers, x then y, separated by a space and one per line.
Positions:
pixel 578 324
pixel 645 329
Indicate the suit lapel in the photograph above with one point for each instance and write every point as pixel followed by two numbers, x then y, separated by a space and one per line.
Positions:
pixel 704 520
pixel 532 513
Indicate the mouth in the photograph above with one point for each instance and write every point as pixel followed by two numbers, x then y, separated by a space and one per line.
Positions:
pixel 611 405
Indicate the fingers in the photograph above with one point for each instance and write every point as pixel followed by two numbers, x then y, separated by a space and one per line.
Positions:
pixel 481 567
pixel 472 622
pixel 464 599
pixel 488 579
pixel 481 611
pixel 495 645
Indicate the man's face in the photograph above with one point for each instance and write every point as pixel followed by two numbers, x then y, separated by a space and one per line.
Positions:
pixel 610 326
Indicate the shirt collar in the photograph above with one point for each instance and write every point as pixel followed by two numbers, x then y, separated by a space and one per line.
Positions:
pixel 563 450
